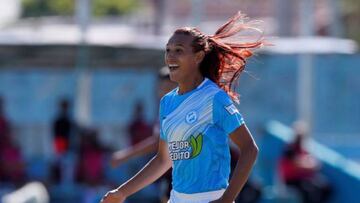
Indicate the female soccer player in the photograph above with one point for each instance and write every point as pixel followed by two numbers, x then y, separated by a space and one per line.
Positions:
pixel 198 118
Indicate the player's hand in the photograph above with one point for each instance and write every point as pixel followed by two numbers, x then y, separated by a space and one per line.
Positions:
pixel 113 196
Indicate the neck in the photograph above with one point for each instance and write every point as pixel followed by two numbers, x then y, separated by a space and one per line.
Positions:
pixel 189 85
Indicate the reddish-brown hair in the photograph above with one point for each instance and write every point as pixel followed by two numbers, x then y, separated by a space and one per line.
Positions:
pixel 227 50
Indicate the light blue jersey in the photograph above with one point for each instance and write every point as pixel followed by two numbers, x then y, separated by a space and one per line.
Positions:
pixel 196 126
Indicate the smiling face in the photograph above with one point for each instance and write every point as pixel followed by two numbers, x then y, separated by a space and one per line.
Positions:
pixel 181 59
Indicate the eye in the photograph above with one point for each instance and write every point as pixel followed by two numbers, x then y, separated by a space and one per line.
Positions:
pixel 167 50
pixel 178 50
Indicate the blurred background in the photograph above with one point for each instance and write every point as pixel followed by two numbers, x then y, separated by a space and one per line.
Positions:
pixel 77 75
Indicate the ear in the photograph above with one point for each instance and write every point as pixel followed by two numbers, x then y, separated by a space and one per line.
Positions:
pixel 199 56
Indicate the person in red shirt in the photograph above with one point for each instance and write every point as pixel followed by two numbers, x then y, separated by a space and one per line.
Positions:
pixel 138 129
pixel 300 170
pixel 62 127
pixel 12 166
pixel 4 123
pixel 90 166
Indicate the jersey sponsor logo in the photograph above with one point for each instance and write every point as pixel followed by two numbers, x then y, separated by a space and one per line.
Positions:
pixel 196 145
pixel 191 117
pixel 179 150
pixel 183 150
pixel 231 109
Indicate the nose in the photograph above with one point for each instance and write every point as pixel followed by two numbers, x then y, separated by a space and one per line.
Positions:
pixel 170 57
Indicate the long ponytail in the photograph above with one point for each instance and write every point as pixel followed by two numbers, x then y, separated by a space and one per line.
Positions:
pixel 227 50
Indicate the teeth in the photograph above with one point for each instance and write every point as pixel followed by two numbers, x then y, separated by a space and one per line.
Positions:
pixel 173 65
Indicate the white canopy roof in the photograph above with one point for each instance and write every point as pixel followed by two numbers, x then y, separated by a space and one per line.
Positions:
pixel 113 34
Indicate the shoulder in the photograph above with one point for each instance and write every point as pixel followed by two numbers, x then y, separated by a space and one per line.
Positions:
pixel 167 96
pixel 222 101
pixel 210 88
pixel 221 97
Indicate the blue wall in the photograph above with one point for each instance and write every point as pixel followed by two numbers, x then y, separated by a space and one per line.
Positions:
pixel 32 94
pixel 267 89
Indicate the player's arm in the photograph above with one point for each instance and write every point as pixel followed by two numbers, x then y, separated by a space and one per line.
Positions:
pixel 248 151
pixel 155 168
pixel 146 146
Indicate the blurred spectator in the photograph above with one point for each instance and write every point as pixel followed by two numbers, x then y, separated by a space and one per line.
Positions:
pixel 91 160
pixel 138 129
pixel 300 170
pixel 62 128
pixel 4 123
pixel 12 167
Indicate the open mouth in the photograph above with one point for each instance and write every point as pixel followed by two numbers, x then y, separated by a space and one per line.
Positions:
pixel 173 67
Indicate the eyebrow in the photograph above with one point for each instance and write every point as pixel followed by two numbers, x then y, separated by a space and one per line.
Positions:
pixel 176 45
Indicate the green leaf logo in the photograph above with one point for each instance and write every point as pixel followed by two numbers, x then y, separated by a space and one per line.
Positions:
pixel 196 145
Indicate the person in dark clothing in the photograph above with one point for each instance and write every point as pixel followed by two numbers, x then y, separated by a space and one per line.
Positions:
pixel 62 130
pixel 62 127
